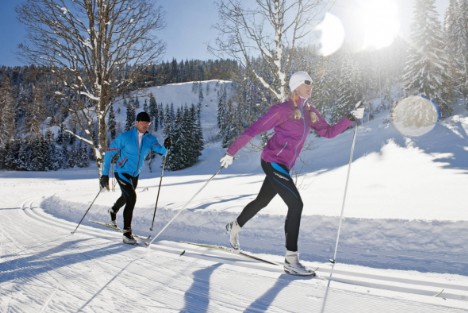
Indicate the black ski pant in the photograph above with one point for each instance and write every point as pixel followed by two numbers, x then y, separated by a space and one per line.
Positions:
pixel 127 185
pixel 277 181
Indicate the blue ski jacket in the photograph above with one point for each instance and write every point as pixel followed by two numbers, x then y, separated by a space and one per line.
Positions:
pixel 131 157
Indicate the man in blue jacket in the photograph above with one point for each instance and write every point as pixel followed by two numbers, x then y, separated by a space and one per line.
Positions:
pixel 132 148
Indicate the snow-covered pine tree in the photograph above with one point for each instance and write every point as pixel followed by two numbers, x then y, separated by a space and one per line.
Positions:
pixel 2 156
pixel 153 111
pixel 169 117
pixel 136 103
pixel 72 139
pixel 456 30
pixel 160 115
pixel 111 123
pixel 7 109
pixel 35 111
pixel 174 71
pixel 325 93
pixel 195 87
pixel 40 155
pixel 54 156
pixel 60 134
pixel 187 139
pixel 200 94
pixel 426 67
pixel 175 159
pixel 193 134
pixel 187 132
pixel 73 157
pixel 24 154
pixel 65 156
pixel 197 132
pixel 130 121
pixel 235 125
pixel 83 156
pixel 12 148
pixel 349 88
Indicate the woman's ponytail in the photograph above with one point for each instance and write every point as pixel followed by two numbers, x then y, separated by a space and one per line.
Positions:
pixel 297 114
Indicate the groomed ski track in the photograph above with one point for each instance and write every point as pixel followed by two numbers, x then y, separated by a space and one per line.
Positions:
pixel 44 268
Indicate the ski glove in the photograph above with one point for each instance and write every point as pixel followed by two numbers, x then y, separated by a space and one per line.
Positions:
pixel 226 160
pixel 104 181
pixel 167 143
pixel 356 114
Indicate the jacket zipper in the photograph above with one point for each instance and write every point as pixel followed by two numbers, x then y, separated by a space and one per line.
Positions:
pixel 282 149
pixel 139 152
pixel 303 135
pixel 122 162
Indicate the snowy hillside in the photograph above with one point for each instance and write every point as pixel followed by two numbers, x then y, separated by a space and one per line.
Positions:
pixel 184 94
pixel 402 247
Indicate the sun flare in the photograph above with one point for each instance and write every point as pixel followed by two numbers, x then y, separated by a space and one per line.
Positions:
pixel 379 23
pixel 332 34
pixel 361 24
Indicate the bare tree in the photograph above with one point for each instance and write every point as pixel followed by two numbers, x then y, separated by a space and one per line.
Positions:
pixel 266 29
pixel 94 47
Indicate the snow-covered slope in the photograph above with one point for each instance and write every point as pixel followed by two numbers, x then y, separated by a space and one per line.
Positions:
pixel 183 94
pixel 402 246
pixel 46 269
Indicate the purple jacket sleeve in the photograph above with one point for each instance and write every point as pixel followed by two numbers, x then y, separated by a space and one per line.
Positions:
pixel 323 129
pixel 267 121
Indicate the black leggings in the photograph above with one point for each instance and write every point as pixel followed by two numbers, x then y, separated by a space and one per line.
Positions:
pixel 128 185
pixel 277 181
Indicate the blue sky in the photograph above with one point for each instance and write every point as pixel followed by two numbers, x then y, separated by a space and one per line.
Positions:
pixel 188 31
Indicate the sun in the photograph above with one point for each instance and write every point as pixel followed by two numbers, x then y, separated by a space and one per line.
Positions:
pixel 378 22
pixel 360 24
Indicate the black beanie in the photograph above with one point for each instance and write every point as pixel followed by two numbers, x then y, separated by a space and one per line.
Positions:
pixel 143 117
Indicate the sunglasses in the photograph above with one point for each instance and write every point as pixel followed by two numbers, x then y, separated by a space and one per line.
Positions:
pixel 308 82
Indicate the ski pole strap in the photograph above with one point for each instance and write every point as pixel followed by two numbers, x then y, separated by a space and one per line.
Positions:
pixel 185 206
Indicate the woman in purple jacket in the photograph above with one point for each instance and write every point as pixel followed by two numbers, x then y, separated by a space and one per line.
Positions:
pixel 292 121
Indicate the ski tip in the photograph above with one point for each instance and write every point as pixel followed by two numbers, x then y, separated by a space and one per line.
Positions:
pixel 182 253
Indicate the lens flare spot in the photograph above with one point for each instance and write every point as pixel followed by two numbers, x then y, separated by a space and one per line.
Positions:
pixel 332 34
pixel 415 116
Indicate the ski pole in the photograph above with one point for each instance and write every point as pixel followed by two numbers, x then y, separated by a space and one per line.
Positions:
pixel 183 208
pixel 333 261
pixel 100 189
pixel 159 189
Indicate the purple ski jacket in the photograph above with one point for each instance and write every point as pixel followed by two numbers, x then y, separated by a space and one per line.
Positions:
pixel 289 133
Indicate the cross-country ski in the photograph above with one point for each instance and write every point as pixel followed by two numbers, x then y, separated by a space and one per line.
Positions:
pixel 116 228
pixel 239 252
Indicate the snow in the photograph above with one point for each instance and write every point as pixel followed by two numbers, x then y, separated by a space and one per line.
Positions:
pixel 402 246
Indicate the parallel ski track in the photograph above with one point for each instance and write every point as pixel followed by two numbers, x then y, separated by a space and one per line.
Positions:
pixel 446 291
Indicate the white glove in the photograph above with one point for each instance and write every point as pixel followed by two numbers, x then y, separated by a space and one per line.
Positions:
pixel 226 160
pixel 358 113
